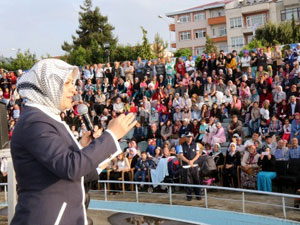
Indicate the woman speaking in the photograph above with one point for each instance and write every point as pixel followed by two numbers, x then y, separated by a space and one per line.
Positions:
pixel 49 162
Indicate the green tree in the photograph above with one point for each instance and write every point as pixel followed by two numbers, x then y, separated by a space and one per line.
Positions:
pixel 270 33
pixel 23 61
pixel 295 30
pixel 159 46
pixel 144 50
pixel 253 44
pixel 94 30
pixel 186 52
pixel 210 46
pixel 123 53
pixel 285 33
pixel 78 56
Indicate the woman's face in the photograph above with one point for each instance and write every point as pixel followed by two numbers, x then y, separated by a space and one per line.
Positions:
pixel 216 148
pixel 251 150
pixel 157 151
pixel 68 92
pixel 232 148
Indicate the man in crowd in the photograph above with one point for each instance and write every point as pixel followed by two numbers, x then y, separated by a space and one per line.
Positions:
pixel 294 150
pixel 189 153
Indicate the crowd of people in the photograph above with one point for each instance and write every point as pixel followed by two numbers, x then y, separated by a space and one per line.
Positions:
pixel 181 108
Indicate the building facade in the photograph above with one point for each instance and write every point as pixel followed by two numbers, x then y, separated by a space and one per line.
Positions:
pixel 192 25
pixel 230 23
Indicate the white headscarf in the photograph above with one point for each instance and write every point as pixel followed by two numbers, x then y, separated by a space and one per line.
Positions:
pixel 43 83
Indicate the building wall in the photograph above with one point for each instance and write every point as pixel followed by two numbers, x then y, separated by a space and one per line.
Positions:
pixel 234 9
pixel 272 10
pixel 192 26
pixel 189 26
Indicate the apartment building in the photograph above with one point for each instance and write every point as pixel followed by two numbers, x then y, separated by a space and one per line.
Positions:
pixel 191 26
pixel 288 8
pixel 245 16
pixel 230 23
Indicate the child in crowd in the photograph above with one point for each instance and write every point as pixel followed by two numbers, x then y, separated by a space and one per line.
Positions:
pixel 142 166
pixel 263 129
pixel 286 130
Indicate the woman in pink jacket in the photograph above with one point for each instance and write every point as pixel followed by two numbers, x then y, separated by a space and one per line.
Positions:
pixel 218 136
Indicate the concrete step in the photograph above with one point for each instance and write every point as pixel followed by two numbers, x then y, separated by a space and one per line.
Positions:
pixel 224 125
pixel 224 150
pixel 225 144
pixel 226 120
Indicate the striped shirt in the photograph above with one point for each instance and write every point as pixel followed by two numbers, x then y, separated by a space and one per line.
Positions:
pixel 294 153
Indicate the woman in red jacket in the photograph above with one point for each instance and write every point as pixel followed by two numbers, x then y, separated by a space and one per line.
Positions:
pixel 180 67
pixel 265 95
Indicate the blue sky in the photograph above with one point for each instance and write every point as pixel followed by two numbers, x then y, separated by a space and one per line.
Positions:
pixel 43 25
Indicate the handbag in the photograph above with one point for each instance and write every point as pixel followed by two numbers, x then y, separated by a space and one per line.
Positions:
pixel 249 171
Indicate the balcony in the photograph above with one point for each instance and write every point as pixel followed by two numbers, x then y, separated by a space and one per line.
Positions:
pixel 217 20
pixel 172 27
pixel 220 39
pixel 255 9
pixel 290 2
pixel 247 30
pixel 173 45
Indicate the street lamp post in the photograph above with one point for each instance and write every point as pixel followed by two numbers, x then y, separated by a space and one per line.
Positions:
pixel 161 17
pixel 107 50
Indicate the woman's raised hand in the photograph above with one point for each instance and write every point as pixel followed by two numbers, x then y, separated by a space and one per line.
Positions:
pixel 121 125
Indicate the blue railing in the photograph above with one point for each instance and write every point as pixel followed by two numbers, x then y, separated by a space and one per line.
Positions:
pixel 205 189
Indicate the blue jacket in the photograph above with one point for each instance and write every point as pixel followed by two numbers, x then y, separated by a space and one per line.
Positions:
pixel 50 168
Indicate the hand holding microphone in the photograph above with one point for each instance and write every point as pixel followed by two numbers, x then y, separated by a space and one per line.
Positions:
pixel 120 126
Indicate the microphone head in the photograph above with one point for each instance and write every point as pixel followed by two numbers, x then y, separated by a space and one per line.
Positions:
pixel 82 109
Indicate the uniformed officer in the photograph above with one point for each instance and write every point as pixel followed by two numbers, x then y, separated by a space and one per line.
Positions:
pixel 189 153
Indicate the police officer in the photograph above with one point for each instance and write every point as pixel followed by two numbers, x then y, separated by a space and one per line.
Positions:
pixel 189 153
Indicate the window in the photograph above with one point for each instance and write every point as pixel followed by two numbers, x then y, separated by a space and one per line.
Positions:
pixel 200 34
pixel 199 16
pixel 224 48
pixel 199 50
pixel 237 41
pixel 184 19
pixel 256 20
pixel 222 31
pixel 214 32
pixel 217 13
pixel 250 38
pixel 219 31
pixel 185 36
pixel 288 14
pixel 235 22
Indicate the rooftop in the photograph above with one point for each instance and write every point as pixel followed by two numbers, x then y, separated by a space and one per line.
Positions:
pixel 212 5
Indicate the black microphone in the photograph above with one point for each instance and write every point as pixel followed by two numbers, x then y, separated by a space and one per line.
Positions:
pixel 83 111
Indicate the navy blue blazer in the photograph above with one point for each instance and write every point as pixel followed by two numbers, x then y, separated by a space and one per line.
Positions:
pixel 49 168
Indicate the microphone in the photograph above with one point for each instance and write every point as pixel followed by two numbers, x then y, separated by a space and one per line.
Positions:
pixel 83 111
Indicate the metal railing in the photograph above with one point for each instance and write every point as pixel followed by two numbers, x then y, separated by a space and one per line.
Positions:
pixel 5 191
pixel 205 188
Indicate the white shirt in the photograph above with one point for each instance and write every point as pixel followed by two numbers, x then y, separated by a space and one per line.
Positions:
pixel 293 106
pixel 245 61
pixel 190 65
pixel 99 73
pixel 265 113
pixel 4 165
